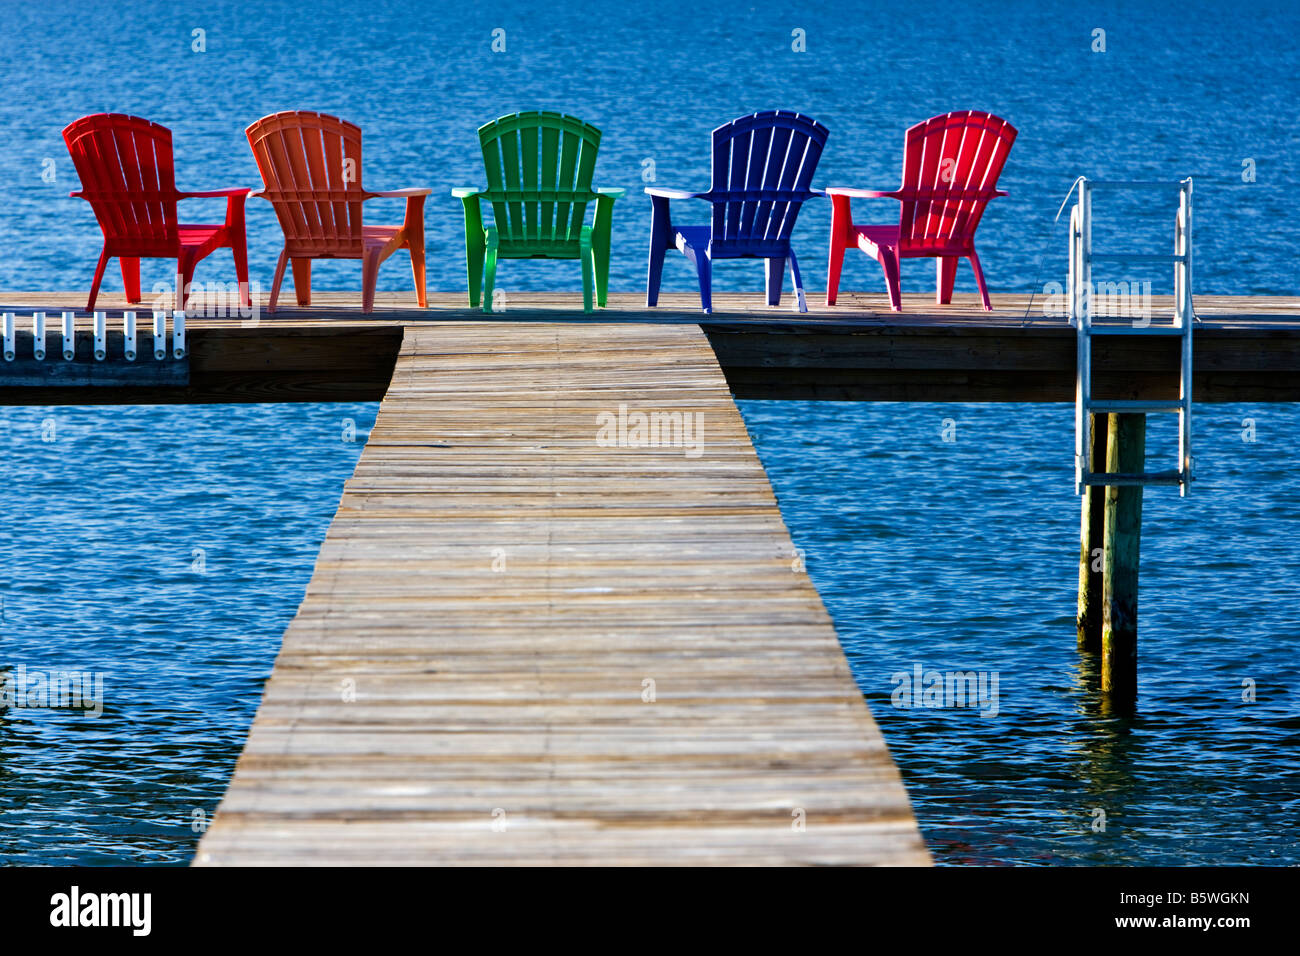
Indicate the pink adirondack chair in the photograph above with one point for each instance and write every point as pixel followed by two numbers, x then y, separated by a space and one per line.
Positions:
pixel 951 165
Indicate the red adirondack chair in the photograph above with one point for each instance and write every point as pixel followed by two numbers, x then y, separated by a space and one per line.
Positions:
pixel 311 167
pixel 129 179
pixel 951 165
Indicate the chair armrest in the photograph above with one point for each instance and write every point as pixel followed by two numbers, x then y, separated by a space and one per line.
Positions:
pixel 234 197
pixel 665 193
pixel 860 193
pixel 407 193
pixel 467 192
pixel 603 192
pixel 231 193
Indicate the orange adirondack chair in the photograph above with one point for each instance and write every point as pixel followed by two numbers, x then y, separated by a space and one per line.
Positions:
pixel 311 167
pixel 128 176
pixel 951 165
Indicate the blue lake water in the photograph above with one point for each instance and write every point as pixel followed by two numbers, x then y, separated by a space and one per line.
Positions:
pixel 953 555
pixel 165 548
pixel 962 556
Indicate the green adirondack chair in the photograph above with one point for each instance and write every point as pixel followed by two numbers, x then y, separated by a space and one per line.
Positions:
pixel 539 167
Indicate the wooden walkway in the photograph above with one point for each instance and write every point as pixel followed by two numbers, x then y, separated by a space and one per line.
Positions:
pixel 522 647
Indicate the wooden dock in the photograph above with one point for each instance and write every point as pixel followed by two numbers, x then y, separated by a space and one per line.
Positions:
pixel 522 647
pixel 1247 349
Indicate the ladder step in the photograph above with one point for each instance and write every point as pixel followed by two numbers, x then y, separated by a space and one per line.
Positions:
pixel 1118 479
pixel 1135 257
pixel 1171 330
pixel 1136 407
pixel 1136 183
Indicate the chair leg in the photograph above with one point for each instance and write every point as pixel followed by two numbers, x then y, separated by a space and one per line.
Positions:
pixel 659 242
pixel 945 273
pixel 240 251
pixel 131 279
pixel 654 275
pixel 833 267
pixel 800 300
pixel 979 280
pixel 775 272
pixel 369 279
pixel 475 249
pixel 841 223
pixel 279 278
pixel 587 255
pixel 600 243
pixel 600 265
pixel 475 252
pixel 489 269
pixel 99 277
pixel 185 278
pixel 302 281
pixel 704 270
pixel 889 263
pixel 417 272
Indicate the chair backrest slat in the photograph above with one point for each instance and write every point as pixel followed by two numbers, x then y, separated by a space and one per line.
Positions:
pixel 756 169
pixel 570 145
pixel 586 169
pixel 763 166
pixel 951 165
pixel 742 148
pixel 528 157
pixel 539 168
pixel 496 184
pixel 800 163
pixel 550 173
pixel 311 167
pixel 510 168
pixel 127 172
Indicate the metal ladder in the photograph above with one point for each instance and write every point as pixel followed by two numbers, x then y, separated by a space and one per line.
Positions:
pixel 1080 312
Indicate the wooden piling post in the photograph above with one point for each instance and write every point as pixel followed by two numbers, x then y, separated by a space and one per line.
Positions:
pixel 1091 531
pixel 1126 453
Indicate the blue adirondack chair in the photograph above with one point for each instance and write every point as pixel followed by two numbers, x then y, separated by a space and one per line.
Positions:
pixel 762 167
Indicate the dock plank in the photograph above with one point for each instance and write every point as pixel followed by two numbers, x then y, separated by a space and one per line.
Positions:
pixel 517 687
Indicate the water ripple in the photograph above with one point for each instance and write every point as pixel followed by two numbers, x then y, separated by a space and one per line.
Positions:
pixel 934 558
pixel 175 588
